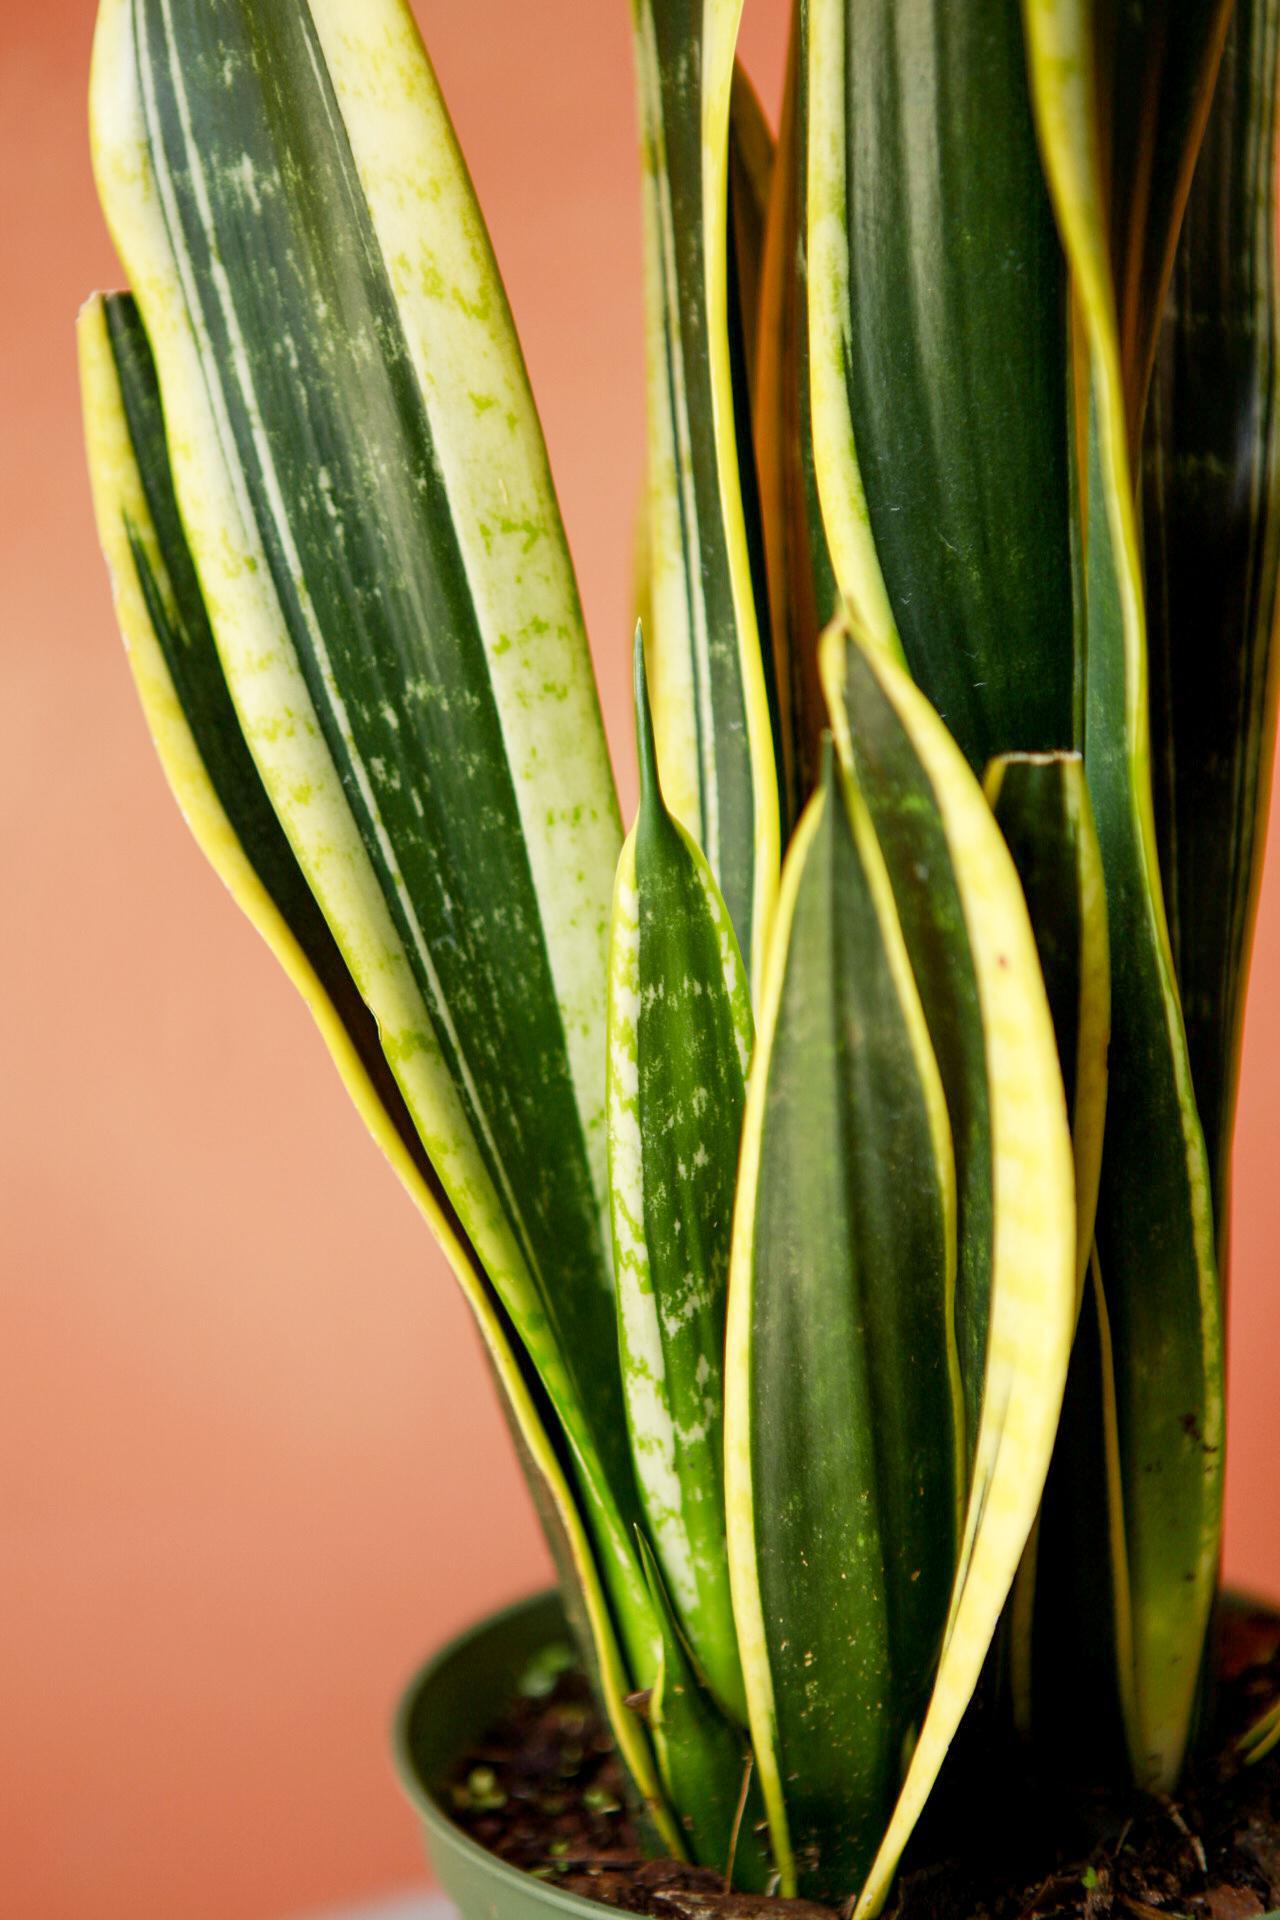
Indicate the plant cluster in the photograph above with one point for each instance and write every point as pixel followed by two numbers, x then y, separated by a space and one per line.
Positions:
pixel 837 1168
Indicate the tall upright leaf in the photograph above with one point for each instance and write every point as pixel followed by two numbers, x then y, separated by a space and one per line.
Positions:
pixel 706 666
pixel 1155 1222
pixel 937 315
pixel 1211 502
pixel 973 954
pixel 1156 70
pixel 214 779
pixel 843 1406
pixel 680 1035
pixel 363 481
pixel 802 588
pixel 751 157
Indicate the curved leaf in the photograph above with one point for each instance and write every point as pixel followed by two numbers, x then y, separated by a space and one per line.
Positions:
pixel 680 1035
pixel 842 1464
pixel 364 485
pixel 1042 808
pixel 216 784
pixel 711 708
pixel 1041 805
pixel 1155 1221
pixel 937 317
pixel 974 958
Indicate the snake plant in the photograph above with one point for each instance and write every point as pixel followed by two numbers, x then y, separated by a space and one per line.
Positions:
pixel 837 1167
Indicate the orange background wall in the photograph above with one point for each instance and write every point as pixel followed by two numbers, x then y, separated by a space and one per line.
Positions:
pixel 250 1465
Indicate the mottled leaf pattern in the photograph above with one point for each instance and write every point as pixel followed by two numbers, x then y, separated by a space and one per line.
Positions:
pixel 680 1033
pixel 213 778
pixel 363 482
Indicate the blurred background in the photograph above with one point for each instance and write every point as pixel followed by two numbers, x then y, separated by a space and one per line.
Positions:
pixel 251 1469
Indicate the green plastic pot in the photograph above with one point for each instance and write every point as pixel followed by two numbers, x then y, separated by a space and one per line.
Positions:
pixel 449 1704
pixel 457 1696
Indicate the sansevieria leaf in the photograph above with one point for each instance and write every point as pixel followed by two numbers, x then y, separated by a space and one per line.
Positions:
pixel 973 955
pixel 1155 1233
pixel 1157 65
pixel 363 482
pixel 751 157
pixel 1211 546
pixel 802 588
pixel 213 777
pixel 680 1035
pixel 706 664
pixel 843 1458
pixel 937 309
pixel 705 1758
pixel 1041 804
pixel 1042 807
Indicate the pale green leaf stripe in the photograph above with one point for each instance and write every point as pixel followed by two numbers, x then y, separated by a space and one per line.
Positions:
pixel 364 485
pixel 1033 1261
pixel 1155 1217
pixel 845 1472
pixel 711 709
pixel 680 1034
pixel 215 783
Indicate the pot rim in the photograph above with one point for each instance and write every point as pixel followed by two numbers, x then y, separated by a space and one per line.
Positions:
pixel 431 1811
pixel 528 1886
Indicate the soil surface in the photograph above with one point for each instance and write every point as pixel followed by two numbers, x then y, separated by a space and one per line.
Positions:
pixel 544 1790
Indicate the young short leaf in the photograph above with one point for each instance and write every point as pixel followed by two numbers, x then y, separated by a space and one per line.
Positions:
pixel 680 1036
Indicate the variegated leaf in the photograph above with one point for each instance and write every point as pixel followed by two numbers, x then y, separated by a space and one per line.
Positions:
pixel 1041 805
pixel 1211 547
pixel 680 1035
pixel 802 588
pixel 706 666
pixel 844 1450
pixel 973 955
pixel 363 481
pixel 1155 1217
pixel 213 778
pixel 936 313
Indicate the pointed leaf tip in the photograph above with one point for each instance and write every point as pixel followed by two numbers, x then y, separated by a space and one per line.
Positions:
pixel 650 783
